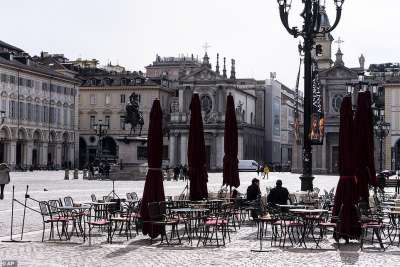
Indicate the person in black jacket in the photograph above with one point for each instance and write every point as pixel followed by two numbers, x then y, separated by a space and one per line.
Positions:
pixel 278 195
pixel 253 191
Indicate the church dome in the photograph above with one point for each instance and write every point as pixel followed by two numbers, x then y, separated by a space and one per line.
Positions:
pixel 325 24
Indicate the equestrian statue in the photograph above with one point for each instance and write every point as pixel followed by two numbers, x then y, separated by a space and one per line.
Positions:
pixel 133 115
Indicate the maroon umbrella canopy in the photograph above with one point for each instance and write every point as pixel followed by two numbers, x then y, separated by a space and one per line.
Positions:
pixel 197 153
pixel 346 196
pixel 364 147
pixel 153 187
pixel 231 172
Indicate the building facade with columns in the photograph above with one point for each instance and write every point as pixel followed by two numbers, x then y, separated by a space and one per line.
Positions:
pixel 213 86
pixel 40 106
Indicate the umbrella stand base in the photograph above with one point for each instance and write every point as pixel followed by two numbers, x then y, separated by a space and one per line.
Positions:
pixel 307 182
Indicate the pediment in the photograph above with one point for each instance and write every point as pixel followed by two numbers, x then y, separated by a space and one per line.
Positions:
pixel 338 72
pixel 202 74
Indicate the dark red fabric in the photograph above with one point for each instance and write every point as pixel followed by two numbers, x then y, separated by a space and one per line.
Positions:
pixel 364 146
pixel 153 187
pixel 346 196
pixel 197 153
pixel 230 171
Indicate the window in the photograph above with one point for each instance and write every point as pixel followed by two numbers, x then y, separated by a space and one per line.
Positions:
pixel 29 83
pixel 92 121
pixel 122 97
pixel 12 79
pixel 29 112
pixel 21 111
pixel 37 114
pixel 59 89
pixel 46 114
pixel 122 122
pixel 52 115
pixel 92 99
pixel 142 152
pixel 108 99
pixel 12 109
pixel 65 116
pixel 3 77
pixel 52 88
pixel 44 86
pixel 107 121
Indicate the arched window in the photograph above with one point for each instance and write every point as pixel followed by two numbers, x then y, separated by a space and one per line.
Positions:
pixel 251 118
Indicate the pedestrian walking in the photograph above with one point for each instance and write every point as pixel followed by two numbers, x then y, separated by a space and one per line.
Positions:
pixel 4 178
pixel 266 171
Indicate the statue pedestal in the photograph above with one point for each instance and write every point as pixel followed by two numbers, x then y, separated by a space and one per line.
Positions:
pixel 129 168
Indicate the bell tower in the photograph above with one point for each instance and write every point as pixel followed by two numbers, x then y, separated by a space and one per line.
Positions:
pixel 322 51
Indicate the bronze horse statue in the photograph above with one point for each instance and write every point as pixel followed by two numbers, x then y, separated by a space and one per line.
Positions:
pixel 133 115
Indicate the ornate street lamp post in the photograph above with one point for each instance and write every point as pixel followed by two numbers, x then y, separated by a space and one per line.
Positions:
pixel 311 29
pixel 381 129
pixel 101 131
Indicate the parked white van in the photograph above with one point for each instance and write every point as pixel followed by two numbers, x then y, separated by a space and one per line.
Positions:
pixel 247 165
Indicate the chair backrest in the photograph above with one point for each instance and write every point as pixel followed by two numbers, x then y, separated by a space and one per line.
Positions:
pixel 44 209
pixel 53 206
pixel 129 196
pixel 68 201
pixel 106 198
pixel 292 198
pixel 316 190
pixel 93 197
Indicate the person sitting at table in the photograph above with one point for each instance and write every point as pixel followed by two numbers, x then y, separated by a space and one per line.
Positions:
pixel 253 191
pixel 278 195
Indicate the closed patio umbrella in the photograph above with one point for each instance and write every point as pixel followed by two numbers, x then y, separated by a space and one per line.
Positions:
pixel 364 149
pixel 153 187
pixel 346 196
pixel 230 170
pixel 197 153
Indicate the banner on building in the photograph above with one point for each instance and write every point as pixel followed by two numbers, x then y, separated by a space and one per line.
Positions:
pixel 317 129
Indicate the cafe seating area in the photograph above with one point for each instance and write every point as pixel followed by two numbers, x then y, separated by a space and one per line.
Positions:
pixel 304 222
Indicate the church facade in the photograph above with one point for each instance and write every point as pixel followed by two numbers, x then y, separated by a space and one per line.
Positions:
pixel 213 88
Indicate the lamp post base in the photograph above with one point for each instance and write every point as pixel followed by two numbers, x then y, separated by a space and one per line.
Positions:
pixel 306 183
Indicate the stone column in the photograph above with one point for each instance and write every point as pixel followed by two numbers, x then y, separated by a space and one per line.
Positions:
pixel 12 154
pixel 213 156
pixel 43 153
pixel 172 149
pixel 29 148
pixel 240 146
pixel 324 154
pixel 184 145
pixel 220 151
pixel 58 154
pixel 71 153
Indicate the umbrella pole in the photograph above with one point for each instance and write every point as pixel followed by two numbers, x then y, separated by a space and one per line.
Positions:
pixel 23 218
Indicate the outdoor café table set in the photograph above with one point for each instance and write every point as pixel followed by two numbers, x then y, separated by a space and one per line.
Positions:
pixel 83 216
pixel 291 215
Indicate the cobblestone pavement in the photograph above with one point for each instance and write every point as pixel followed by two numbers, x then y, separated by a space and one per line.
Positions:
pixel 139 252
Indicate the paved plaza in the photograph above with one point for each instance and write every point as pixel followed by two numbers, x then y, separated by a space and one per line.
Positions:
pixel 139 252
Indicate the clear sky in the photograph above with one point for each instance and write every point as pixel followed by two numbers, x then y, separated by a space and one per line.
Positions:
pixel 132 32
